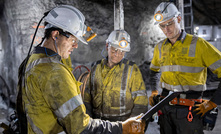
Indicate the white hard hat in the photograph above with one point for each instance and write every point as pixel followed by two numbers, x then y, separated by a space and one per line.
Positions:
pixel 165 11
pixel 69 19
pixel 119 39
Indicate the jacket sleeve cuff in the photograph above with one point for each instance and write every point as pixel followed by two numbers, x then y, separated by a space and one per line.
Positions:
pixel 104 127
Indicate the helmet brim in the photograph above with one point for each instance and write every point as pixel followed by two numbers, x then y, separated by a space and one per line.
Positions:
pixel 127 49
pixel 81 39
pixel 168 18
pixel 158 22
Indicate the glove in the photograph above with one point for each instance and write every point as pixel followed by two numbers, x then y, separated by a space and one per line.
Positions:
pixel 204 107
pixel 133 126
pixel 152 96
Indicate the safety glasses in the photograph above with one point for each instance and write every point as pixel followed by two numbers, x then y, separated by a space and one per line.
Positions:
pixel 169 24
pixel 74 40
pixel 115 50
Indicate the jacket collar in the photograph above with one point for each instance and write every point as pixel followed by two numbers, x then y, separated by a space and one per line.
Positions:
pixel 105 61
pixel 48 52
pixel 181 37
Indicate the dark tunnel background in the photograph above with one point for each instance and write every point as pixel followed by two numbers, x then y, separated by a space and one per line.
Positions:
pixel 18 20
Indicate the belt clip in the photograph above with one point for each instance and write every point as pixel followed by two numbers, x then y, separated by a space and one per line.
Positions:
pixel 190 116
pixel 170 102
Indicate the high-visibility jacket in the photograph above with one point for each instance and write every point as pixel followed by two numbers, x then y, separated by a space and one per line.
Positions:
pixel 184 64
pixel 52 99
pixel 67 62
pixel 116 93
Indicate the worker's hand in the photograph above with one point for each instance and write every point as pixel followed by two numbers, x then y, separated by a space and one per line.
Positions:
pixel 152 96
pixel 133 126
pixel 205 107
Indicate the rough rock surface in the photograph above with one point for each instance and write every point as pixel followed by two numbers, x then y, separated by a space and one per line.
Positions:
pixel 19 20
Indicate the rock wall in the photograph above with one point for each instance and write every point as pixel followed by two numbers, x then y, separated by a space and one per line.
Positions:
pixel 19 18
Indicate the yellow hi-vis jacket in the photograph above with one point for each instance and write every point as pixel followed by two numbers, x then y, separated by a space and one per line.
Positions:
pixel 184 65
pixel 68 62
pixel 116 93
pixel 52 99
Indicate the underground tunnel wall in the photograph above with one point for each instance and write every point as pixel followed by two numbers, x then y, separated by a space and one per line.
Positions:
pixel 19 20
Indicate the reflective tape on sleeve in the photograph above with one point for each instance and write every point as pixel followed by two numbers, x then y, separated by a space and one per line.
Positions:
pixel 69 106
pixel 215 65
pixel 154 67
pixel 139 93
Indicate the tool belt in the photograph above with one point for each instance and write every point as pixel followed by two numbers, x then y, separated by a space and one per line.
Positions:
pixel 188 98
pixel 185 102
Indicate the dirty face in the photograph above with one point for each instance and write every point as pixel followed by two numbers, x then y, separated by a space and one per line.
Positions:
pixel 115 55
pixel 66 45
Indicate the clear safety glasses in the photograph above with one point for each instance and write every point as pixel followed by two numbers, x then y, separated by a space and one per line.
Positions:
pixel 74 40
pixel 169 24
pixel 115 50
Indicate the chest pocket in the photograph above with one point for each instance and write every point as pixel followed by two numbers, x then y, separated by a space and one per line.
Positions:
pixel 187 54
pixel 181 54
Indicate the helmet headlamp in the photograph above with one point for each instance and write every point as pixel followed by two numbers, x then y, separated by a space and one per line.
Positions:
pixel 89 34
pixel 158 16
pixel 123 43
